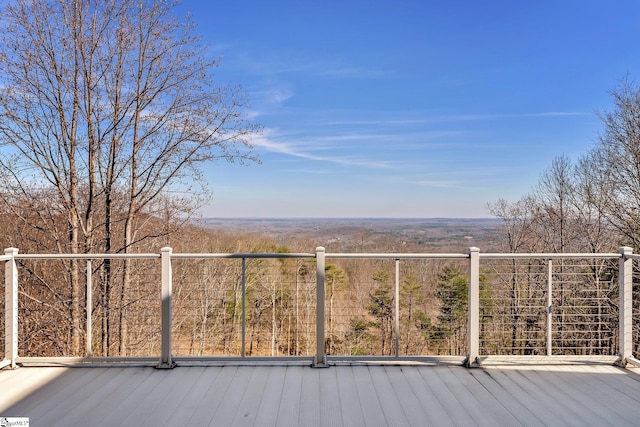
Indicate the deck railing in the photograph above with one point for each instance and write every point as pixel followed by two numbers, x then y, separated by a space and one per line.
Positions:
pixel 321 307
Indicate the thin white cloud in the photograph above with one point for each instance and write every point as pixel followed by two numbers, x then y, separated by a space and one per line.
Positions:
pixel 310 171
pixel 464 117
pixel 251 58
pixel 268 142
pixel 270 98
pixel 454 118
pixel 274 95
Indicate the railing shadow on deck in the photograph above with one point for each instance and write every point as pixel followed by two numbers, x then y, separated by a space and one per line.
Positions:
pixel 320 308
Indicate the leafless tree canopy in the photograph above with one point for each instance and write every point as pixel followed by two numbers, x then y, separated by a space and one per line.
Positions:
pixel 592 204
pixel 108 111
pixel 110 98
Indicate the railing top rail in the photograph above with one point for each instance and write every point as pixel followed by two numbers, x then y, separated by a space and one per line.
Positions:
pixel 87 256
pixel 239 255
pixel 490 255
pixel 483 255
pixel 396 256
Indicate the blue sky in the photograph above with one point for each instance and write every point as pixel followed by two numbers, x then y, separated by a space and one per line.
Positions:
pixel 411 108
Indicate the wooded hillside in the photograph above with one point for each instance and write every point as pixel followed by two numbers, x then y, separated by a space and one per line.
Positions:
pixel 280 301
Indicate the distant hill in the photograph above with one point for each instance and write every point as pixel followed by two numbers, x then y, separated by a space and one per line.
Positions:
pixel 422 234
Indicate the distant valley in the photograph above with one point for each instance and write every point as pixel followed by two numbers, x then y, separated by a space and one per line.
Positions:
pixel 338 234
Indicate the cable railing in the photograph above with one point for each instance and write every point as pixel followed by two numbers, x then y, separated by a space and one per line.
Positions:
pixel 318 308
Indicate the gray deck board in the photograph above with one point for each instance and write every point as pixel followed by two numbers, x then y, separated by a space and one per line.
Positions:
pixel 329 398
pixel 427 394
pixel 461 392
pixel 512 400
pixel 178 384
pixel 299 404
pixel 448 391
pixel 370 404
pixel 58 397
pixel 542 400
pixel 389 401
pixel 554 391
pixel 289 401
pixel 627 384
pixel 348 395
pixel 605 393
pixel 92 398
pixel 350 404
pixel 247 411
pixel 205 412
pixel 519 392
pixel 138 384
pixel 494 410
pixel 20 385
pixel 192 396
pixel 237 388
pixel 412 408
pixel 269 405
pixel 590 397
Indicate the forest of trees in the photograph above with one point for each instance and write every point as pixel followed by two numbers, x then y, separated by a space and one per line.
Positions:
pixel 280 303
pixel 108 112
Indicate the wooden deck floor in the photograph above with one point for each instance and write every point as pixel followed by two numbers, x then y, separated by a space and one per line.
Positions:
pixel 347 395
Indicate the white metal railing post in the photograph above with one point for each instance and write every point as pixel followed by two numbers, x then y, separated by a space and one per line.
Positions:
pixel 11 307
pixel 244 304
pixel 473 358
pixel 89 306
pixel 549 307
pixel 626 305
pixel 397 308
pixel 167 282
pixel 320 359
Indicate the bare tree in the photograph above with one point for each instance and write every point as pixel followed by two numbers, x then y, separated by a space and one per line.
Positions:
pixel 552 200
pixel 518 222
pixel 591 198
pixel 615 162
pixel 110 107
pixel 567 212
